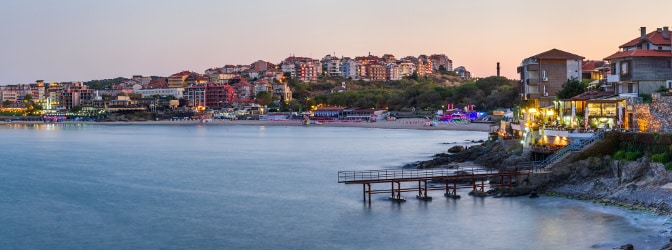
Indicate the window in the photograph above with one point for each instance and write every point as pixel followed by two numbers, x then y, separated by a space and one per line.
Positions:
pixel 624 68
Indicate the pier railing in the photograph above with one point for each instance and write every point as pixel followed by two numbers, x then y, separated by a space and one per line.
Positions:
pixel 402 174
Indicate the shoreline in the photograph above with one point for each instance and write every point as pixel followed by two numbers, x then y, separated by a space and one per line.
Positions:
pixel 414 123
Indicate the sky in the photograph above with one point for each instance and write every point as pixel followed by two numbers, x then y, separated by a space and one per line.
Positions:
pixel 81 40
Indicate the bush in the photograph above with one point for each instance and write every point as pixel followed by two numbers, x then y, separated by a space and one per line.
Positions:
pixel 662 157
pixel 619 155
pixel 632 155
pixel 668 166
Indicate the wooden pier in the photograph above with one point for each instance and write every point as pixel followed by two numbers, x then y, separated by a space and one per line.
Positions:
pixel 450 181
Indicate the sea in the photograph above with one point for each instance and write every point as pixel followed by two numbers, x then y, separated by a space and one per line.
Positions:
pixel 83 186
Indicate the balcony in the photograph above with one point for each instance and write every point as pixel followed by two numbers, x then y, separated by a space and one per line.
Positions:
pixel 613 78
pixel 531 67
pixel 532 81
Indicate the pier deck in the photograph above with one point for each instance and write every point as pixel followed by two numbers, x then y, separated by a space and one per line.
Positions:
pixel 453 180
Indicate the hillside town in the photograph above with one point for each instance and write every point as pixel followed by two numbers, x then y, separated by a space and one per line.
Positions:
pixel 626 90
pixel 218 90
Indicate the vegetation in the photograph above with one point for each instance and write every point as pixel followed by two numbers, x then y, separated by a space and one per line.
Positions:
pixel 632 146
pixel 571 88
pixel 264 98
pixel 105 83
pixel 422 94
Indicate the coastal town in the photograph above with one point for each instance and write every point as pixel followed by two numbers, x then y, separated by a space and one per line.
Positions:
pixel 626 90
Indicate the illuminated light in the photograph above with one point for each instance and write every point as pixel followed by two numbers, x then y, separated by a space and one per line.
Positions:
pixel 532 110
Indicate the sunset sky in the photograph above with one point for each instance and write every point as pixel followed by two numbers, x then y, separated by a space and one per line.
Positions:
pixel 80 40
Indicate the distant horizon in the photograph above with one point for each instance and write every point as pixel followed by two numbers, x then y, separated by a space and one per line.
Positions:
pixel 70 40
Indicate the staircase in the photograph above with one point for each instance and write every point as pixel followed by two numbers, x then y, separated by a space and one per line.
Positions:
pixel 575 145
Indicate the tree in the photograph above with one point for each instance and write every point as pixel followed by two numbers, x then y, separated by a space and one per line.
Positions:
pixel 76 109
pixel 6 103
pixel 264 98
pixel 27 101
pixel 571 88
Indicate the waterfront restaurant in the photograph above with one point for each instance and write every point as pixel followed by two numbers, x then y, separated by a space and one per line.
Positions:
pixel 592 109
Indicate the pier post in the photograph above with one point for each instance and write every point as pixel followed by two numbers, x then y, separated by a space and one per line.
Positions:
pixel 398 190
pixel 425 188
pixel 420 189
pixel 364 191
pixel 369 184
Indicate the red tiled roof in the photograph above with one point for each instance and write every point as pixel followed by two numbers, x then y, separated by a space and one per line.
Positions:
pixel 592 95
pixel 557 54
pixel 656 37
pixel 639 53
pixel 590 65
pixel 183 73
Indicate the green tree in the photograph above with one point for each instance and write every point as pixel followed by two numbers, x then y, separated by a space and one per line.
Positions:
pixel 6 103
pixel 571 88
pixel 264 98
pixel 76 109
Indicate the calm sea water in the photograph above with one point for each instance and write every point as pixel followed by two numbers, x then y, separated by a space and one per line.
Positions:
pixel 250 187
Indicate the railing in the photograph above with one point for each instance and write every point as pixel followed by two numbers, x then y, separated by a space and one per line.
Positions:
pixel 397 174
pixel 574 146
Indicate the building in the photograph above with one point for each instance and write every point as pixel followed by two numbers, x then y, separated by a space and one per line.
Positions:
pixel 463 73
pixel 282 92
pixel 73 94
pixel 642 65
pixel 439 61
pixel 424 66
pixel 406 68
pixel 301 68
pixel 260 66
pixel 349 68
pixel 262 85
pixel 543 75
pixel 186 78
pixel 376 72
pixel 176 92
pixel 392 71
pixel 331 66
pixel 209 95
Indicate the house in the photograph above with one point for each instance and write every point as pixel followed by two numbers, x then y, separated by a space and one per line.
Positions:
pixel 463 73
pixel 376 72
pixel 262 85
pixel 282 92
pixel 331 66
pixel 406 68
pixel 392 71
pixel 424 65
pixel 186 78
pixel 73 94
pixel 349 68
pixel 439 61
pixel 209 95
pixel 643 65
pixel 542 76
pixel 339 89
pixel 301 68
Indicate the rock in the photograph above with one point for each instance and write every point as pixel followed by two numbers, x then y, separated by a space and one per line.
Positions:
pixel 667 246
pixel 455 149
pixel 626 247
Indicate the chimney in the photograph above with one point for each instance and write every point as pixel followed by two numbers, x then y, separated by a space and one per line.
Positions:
pixel 666 32
pixel 497 68
pixel 643 31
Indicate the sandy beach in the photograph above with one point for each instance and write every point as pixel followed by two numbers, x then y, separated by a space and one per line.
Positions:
pixel 398 124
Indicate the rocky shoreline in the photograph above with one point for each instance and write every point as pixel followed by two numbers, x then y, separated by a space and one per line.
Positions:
pixel 638 185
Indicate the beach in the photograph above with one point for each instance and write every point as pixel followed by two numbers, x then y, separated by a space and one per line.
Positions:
pixel 413 123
